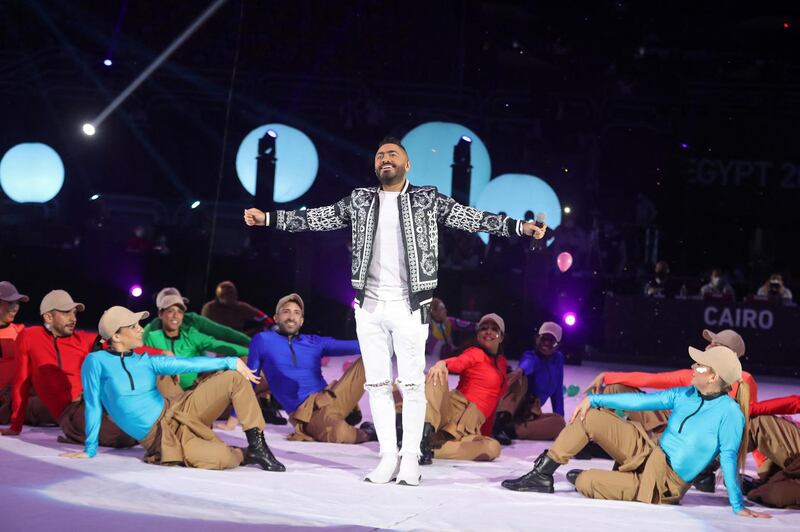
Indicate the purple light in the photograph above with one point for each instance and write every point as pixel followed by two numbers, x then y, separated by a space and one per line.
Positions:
pixel 570 319
pixel 108 62
pixel 136 290
pixel 684 145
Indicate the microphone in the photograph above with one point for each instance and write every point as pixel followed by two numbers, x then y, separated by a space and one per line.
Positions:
pixel 537 244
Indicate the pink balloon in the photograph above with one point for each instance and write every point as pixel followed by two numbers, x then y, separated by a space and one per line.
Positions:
pixel 564 261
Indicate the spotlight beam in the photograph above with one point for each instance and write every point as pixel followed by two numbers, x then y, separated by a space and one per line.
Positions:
pixel 157 62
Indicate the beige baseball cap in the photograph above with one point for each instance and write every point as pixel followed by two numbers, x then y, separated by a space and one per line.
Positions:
pixel 728 338
pixel 8 292
pixel 291 297
pixel 59 300
pixel 495 318
pixel 551 327
pixel 115 318
pixel 170 300
pixel 721 359
pixel 169 291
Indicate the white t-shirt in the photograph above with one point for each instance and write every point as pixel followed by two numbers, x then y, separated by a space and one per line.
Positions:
pixel 387 278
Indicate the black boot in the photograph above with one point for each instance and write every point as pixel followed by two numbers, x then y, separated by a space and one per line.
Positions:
pixel 258 451
pixel 503 429
pixel 271 411
pixel 572 475
pixel 425 449
pixel 369 428
pixel 354 417
pixel 706 481
pixel 750 483
pixel 539 479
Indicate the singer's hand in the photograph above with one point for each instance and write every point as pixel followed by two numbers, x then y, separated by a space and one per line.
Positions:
pixel 255 217
pixel 531 229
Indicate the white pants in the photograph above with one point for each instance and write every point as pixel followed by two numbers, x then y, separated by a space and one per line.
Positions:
pixel 386 327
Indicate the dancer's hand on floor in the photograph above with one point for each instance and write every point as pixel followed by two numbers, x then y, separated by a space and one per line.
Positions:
pixel 255 217
pixel 9 432
pixel 753 513
pixel 438 374
pixel 596 386
pixel 580 410
pixel 246 372
pixel 79 454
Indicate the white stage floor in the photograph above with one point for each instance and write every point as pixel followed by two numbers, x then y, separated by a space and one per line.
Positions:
pixel 323 487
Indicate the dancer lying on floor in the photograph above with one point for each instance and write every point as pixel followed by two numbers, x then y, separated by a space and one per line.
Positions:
pixel 175 430
pixel 705 422
pixel 454 419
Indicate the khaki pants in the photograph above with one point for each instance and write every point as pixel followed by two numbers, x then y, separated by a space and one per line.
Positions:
pixel 183 432
pixel 644 474
pixel 653 421
pixel 73 424
pixel 530 422
pixel 321 417
pixel 779 440
pixel 458 425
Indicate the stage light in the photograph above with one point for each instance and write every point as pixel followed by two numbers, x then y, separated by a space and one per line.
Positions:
pixel 196 204
pixel 107 62
pixel 31 172
pixel 786 25
pixel 88 129
pixel 94 197
pixel 302 208
pixel 570 319
pixel 684 146
pixel 136 290
pixel 465 138
pixel 295 170
pixel 567 209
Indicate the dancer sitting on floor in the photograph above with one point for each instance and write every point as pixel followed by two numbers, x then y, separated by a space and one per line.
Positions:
pixel 49 359
pixel 175 430
pixel 291 362
pixel 183 340
pixel 539 378
pixel 779 440
pixel 193 323
pixel 654 422
pixel 456 422
pixel 705 422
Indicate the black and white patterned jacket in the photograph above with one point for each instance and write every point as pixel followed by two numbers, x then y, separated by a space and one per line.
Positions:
pixel 422 210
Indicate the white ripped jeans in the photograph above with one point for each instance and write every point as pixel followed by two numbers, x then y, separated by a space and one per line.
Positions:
pixel 386 327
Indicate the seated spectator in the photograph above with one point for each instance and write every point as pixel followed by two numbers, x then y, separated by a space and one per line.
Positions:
pixel 718 287
pixel 774 289
pixel 228 310
pixel 661 284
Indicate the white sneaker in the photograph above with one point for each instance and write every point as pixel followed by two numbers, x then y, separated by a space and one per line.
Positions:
pixel 386 470
pixel 409 475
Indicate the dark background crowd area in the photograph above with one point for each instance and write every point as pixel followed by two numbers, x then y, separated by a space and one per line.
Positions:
pixel 669 129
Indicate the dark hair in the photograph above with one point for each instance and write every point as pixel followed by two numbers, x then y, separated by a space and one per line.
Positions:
pixel 392 140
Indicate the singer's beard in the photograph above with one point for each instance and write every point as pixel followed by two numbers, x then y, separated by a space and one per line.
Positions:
pixel 391 177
